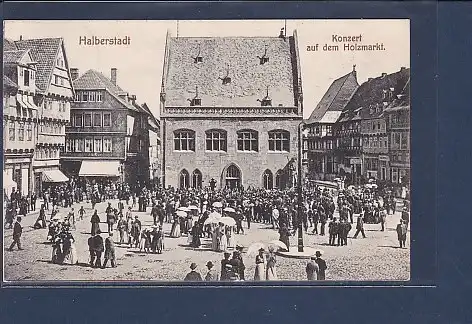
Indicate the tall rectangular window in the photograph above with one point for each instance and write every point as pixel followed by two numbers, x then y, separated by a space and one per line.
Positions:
pixel 87 120
pixel 97 120
pixel 279 141
pixel 97 147
pixel 106 144
pixel 99 96
pixel 92 96
pixel 78 120
pixel 29 132
pixel 12 130
pixel 216 140
pixel 26 77
pixel 184 140
pixel 88 145
pixel 248 141
pixel 106 119
pixel 79 144
pixel 21 131
pixel 85 96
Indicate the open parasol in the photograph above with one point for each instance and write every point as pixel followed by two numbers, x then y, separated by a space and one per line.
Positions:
pixel 278 245
pixel 229 210
pixel 255 247
pixel 181 213
pixel 217 204
pixel 228 221
pixel 212 220
pixel 183 208
pixel 193 207
pixel 214 215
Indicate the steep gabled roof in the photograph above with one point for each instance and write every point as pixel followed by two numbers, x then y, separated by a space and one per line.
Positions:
pixel 370 93
pixel 44 51
pixel 94 80
pixel 14 56
pixel 9 45
pixel 402 100
pixel 335 99
pixel 235 57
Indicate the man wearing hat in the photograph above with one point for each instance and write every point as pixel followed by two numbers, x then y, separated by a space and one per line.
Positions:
pixel 360 226
pixel 17 231
pixel 237 262
pixel 401 232
pixel 224 262
pixel 321 266
pixel 211 274
pixel 98 249
pixel 109 251
pixel 193 275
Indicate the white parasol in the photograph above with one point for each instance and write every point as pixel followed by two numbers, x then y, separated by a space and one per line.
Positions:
pixel 229 210
pixel 212 220
pixel 255 247
pixel 214 215
pixel 181 213
pixel 217 204
pixel 183 208
pixel 278 244
pixel 193 207
pixel 228 221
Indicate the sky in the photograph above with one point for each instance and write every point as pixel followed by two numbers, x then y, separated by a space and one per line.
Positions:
pixel 140 64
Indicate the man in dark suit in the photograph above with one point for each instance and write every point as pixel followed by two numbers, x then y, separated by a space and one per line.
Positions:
pixel 193 275
pixel 98 248
pixel 17 230
pixel 333 229
pixel 321 265
pixel 360 226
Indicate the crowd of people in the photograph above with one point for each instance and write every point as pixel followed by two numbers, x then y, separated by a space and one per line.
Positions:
pixel 209 213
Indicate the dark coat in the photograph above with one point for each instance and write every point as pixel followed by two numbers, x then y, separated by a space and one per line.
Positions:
pixel 98 243
pixel 109 248
pixel 17 230
pixel 193 276
pixel 322 268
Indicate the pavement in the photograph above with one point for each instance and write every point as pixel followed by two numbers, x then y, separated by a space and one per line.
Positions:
pixel 377 257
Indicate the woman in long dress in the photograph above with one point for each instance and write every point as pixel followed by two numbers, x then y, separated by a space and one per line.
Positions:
pixel 70 250
pixel 223 241
pixel 230 236
pixel 260 272
pixel 214 238
pixel 175 231
pixel 95 220
pixel 271 273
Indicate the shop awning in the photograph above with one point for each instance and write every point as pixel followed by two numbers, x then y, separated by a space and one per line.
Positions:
pixel 100 169
pixel 8 183
pixel 54 176
pixel 19 99
pixel 28 100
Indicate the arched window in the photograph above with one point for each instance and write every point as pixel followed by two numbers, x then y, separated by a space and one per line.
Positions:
pixel 267 179
pixel 279 141
pixel 184 179
pixel 184 140
pixel 248 140
pixel 216 140
pixel 233 177
pixel 197 179
pixel 279 180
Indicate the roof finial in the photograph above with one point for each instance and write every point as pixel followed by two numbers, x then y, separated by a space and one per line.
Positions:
pixel 267 92
pixel 196 91
pixel 354 68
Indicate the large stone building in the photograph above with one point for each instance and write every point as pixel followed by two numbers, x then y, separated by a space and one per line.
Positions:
pixel 230 110
pixel 19 120
pixel 52 96
pixel 321 142
pixel 107 138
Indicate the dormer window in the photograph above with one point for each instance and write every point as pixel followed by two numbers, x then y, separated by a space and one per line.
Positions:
pixel 264 58
pixel 226 79
pixel 266 101
pixel 198 58
pixel 195 101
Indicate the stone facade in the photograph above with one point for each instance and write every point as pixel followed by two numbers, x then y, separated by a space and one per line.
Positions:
pixel 227 94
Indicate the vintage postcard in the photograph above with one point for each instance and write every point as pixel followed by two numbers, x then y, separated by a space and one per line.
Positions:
pixel 221 151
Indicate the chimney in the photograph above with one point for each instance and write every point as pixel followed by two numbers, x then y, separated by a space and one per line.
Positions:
pixel 354 70
pixel 402 68
pixel 282 33
pixel 369 79
pixel 384 75
pixel 74 73
pixel 21 37
pixel 113 75
pixel 132 98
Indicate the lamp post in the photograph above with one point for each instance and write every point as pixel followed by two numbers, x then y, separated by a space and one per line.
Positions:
pixel 299 189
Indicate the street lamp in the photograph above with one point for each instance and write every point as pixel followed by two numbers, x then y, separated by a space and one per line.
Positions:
pixel 300 191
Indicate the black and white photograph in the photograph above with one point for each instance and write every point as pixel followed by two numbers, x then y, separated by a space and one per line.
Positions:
pixel 211 150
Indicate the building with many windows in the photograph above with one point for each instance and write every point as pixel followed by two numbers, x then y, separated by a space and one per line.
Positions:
pixel 230 110
pixel 107 137
pixel 52 97
pixel 397 116
pixel 19 120
pixel 321 142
